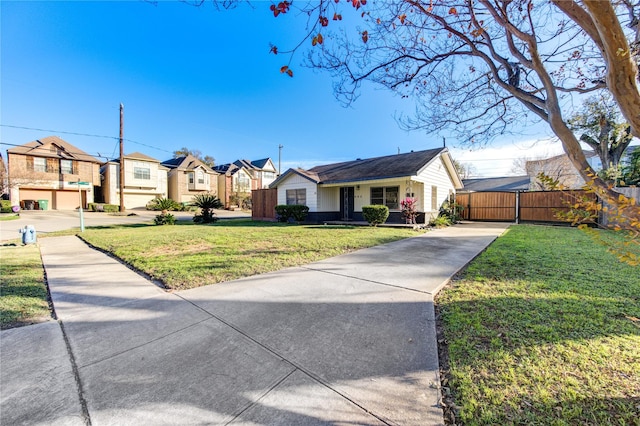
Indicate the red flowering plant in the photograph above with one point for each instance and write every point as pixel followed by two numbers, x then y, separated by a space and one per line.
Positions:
pixel 409 209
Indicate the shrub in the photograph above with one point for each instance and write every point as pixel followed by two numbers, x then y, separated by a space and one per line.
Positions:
pixel 165 219
pixel 375 214
pixel 5 206
pixel 207 203
pixel 100 207
pixel 241 200
pixel 161 204
pixel 286 212
pixel 440 222
pixel 452 211
pixel 283 213
pixel 409 209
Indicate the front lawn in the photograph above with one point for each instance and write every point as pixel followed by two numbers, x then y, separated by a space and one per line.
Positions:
pixel 543 329
pixel 187 255
pixel 23 293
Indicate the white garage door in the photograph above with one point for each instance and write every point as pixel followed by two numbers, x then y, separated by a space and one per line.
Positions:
pixel 133 201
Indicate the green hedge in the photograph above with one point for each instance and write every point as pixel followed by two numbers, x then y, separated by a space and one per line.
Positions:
pixel 100 207
pixel 286 212
pixel 5 206
pixel 375 214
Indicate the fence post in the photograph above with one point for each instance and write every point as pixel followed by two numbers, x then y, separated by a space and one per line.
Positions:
pixel 517 207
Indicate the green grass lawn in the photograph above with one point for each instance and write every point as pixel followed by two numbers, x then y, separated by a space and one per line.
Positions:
pixel 544 329
pixel 188 255
pixel 23 294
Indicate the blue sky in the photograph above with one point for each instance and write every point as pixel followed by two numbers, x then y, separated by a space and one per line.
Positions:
pixel 199 78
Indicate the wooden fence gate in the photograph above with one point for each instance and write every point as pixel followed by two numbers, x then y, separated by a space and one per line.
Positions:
pixel 264 203
pixel 530 206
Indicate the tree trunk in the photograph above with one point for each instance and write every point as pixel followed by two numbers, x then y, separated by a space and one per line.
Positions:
pixel 622 71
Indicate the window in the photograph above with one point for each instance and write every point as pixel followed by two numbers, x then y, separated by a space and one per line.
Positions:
pixel 142 173
pixel 190 175
pixel 297 196
pixel 244 183
pixel 39 164
pixel 434 198
pixel 268 175
pixel 200 177
pixel 387 196
pixel 66 166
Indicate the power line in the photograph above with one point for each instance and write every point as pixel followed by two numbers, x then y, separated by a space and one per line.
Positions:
pixel 58 131
pixel 83 134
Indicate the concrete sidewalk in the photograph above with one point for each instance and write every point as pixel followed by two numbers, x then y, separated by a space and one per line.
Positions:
pixel 348 340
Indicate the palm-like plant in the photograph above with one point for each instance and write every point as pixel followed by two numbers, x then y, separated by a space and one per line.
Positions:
pixel 207 203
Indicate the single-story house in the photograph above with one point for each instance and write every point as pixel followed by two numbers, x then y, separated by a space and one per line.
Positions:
pixel 498 184
pixel 338 191
pixel 52 174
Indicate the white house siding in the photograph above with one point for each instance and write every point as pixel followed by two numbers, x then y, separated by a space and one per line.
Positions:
pixel 362 191
pixel 298 182
pixel 328 199
pixel 137 192
pixel 435 175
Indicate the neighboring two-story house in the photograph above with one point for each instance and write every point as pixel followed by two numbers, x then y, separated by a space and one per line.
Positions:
pixel 144 179
pixel 53 174
pixel 188 177
pixel 236 180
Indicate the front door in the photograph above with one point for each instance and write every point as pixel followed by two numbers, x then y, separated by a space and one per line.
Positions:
pixel 346 202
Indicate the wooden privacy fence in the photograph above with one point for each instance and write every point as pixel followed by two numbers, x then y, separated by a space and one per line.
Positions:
pixel 264 204
pixel 533 206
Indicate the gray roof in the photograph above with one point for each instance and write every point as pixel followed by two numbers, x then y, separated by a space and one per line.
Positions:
pixel 507 183
pixel 390 166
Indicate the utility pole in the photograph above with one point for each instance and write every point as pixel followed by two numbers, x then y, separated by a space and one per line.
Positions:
pixel 121 186
pixel 279 157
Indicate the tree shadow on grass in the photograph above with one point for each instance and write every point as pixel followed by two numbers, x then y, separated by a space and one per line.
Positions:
pixel 557 352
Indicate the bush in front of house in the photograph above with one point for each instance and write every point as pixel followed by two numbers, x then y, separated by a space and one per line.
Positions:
pixel 452 211
pixel 207 203
pixel 165 219
pixel 161 204
pixel 375 214
pixel 5 206
pixel 100 207
pixel 286 212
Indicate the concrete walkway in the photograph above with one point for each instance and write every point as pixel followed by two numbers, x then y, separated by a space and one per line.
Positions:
pixel 348 340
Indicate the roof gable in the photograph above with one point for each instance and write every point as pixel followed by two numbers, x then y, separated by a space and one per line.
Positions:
pixel 61 149
pixel 140 156
pixel 313 177
pixel 187 163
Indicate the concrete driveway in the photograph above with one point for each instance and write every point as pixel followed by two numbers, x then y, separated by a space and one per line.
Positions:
pixel 46 221
pixel 348 340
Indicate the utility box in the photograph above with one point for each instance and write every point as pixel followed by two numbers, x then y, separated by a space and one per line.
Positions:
pixel 28 234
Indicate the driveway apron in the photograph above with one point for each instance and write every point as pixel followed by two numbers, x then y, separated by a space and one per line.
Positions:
pixel 348 340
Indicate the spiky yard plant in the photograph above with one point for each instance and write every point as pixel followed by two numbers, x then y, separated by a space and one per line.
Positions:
pixel 207 203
